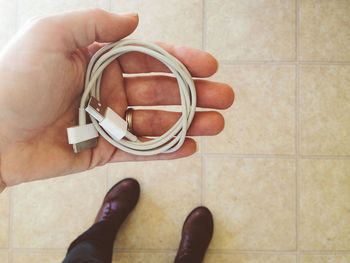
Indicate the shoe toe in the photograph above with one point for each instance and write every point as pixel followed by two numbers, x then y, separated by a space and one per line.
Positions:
pixel 202 217
pixel 128 189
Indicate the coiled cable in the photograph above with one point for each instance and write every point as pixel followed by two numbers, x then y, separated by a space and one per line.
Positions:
pixel 171 140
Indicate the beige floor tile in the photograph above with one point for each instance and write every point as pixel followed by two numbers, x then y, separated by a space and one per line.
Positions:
pixel 166 21
pixel 325 30
pixel 325 110
pixel 262 118
pixel 253 203
pixel 143 257
pixel 7 21
pixel 4 218
pixel 30 8
pixel 51 213
pixel 4 256
pixel 325 205
pixel 169 191
pixel 325 259
pixel 227 258
pixel 19 257
pixel 251 30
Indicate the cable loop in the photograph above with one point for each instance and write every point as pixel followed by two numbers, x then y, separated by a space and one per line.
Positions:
pixel 171 140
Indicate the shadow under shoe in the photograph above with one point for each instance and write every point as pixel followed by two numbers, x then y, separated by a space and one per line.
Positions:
pixel 197 233
pixel 119 202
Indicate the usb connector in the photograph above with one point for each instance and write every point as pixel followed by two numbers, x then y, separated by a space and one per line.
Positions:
pixel 96 109
pixel 109 120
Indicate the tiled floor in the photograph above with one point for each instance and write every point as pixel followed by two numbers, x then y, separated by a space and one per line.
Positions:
pixel 277 179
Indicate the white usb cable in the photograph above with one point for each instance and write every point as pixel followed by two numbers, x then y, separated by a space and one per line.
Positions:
pixel 110 125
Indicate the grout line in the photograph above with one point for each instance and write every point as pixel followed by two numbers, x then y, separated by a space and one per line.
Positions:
pixel 297 171
pixel 278 156
pixel 276 252
pixel 320 63
pixel 148 251
pixel 250 252
pixel 252 156
pixel 9 229
pixel 40 250
pixel 10 244
pixel 339 157
pixel 296 31
pixel 247 62
pixel 107 177
pixel 281 63
pixel 9 219
pixel 326 252
pixel 203 170
pixel 204 24
pixel 298 130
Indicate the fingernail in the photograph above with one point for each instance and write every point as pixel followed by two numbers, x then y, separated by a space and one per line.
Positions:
pixel 197 146
pixel 130 14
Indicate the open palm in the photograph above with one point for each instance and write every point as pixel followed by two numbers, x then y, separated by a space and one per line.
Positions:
pixel 42 79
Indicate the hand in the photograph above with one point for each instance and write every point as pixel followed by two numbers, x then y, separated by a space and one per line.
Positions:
pixel 42 78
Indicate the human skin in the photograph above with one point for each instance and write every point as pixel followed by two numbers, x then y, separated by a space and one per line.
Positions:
pixel 42 78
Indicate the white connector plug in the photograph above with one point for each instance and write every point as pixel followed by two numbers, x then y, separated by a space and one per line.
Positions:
pixel 82 137
pixel 109 120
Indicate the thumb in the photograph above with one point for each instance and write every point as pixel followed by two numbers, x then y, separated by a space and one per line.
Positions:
pixel 82 28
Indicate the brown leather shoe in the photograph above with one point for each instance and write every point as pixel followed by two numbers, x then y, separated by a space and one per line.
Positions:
pixel 196 235
pixel 119 202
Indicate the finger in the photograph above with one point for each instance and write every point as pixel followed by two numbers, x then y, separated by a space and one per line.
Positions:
pixel 164 90
pixel 188 148
pixel 82 28
pixel 199 63
pixel 156 122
